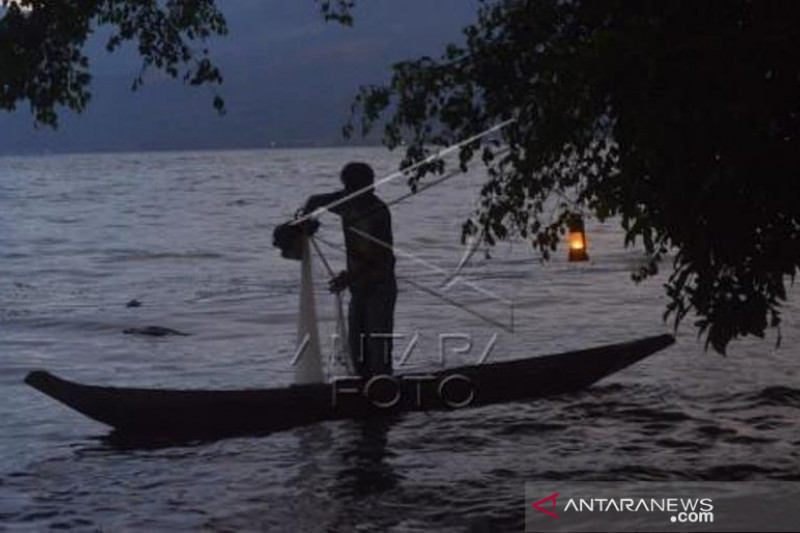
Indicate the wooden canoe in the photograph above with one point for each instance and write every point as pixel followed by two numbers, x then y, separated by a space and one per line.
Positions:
pixel 216 413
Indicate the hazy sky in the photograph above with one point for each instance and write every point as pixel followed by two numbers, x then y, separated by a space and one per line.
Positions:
pixel 289 78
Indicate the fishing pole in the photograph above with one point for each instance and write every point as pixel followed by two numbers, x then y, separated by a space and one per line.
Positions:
pixel 424 187
pixel 433 157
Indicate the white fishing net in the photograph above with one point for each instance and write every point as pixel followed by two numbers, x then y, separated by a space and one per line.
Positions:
pixel 331 357
pixel 308 366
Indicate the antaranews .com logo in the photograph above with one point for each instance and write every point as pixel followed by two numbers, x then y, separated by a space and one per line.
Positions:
pixel 600 506
pixel 683 510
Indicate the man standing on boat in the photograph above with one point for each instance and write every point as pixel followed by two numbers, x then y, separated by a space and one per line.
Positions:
pixel 367 226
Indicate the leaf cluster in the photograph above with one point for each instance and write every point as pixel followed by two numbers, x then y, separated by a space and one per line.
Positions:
pixel 42 58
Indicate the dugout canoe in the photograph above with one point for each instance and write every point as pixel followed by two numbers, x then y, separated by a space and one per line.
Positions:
pixel 218 413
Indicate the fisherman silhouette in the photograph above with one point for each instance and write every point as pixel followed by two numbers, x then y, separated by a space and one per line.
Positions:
pixel 370 278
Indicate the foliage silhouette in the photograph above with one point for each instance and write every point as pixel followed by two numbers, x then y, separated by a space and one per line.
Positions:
pixel 680 118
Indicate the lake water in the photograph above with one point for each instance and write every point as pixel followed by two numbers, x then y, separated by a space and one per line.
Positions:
pixel 189 235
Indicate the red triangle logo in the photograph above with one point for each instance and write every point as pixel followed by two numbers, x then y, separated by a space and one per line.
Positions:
pixel 545 511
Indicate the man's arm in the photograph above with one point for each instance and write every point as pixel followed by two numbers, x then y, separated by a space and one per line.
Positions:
pixel 321 200
pixel 314 202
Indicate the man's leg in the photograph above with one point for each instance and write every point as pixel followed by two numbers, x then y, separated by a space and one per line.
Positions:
pixel 355 331
pixel 379 317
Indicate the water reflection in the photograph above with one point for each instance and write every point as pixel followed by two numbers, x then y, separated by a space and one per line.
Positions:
pixel 364 458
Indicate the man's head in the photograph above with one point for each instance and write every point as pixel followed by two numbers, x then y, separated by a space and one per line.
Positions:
pixel 356 176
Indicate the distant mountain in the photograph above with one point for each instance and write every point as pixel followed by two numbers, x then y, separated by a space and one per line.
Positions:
pixel 289 80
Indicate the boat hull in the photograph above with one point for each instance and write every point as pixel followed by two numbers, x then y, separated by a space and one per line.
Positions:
pixel 213 413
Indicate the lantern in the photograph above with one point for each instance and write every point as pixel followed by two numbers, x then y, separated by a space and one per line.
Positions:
pixel 577 240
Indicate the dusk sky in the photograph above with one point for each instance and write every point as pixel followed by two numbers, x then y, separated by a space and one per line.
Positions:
pixel 289 79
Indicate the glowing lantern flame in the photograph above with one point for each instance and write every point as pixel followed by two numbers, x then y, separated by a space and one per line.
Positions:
pixel 577 240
